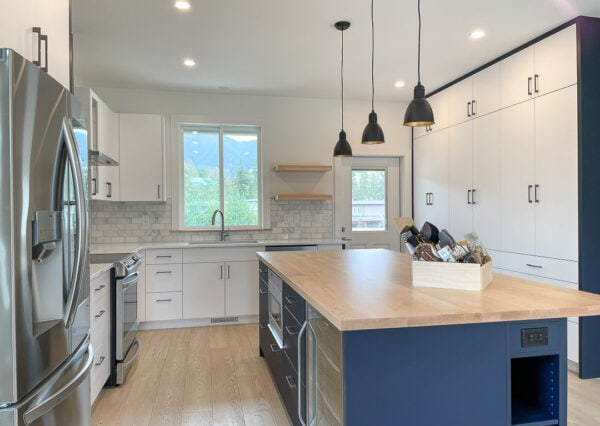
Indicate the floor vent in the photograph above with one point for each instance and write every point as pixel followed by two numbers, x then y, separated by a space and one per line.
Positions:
pixel 223 319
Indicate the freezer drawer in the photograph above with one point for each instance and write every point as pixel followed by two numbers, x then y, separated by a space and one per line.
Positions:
pixel 62 399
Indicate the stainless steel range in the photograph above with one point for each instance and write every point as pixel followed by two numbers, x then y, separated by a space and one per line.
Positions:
pixel 125 344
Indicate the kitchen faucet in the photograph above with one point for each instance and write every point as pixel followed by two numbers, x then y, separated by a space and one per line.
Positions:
pixel 214 215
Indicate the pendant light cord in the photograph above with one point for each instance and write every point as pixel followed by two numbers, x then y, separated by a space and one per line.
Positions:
pixel 419 49
pixel 372 59
pixel 342 74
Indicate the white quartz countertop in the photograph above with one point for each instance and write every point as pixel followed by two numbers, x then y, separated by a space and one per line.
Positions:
pixel 133 247
pixel 97 269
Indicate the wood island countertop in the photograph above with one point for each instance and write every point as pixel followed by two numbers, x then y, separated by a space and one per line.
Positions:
pixel 371 289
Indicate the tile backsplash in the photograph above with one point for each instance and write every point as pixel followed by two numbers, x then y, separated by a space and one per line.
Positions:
pixel 123 222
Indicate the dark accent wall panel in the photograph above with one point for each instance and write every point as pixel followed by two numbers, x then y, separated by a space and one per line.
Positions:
pixel 589 187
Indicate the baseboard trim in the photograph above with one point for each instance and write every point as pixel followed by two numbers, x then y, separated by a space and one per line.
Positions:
pixel 196 322
pixel 573 366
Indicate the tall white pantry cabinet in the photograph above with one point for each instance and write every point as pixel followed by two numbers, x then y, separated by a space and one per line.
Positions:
pixel 514 156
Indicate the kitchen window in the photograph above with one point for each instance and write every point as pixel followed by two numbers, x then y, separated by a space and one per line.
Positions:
pixel 219 168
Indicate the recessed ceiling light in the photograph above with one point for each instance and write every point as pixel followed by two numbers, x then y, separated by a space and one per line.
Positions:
pixel 399 83
pixel 476 34
pixel 182 4
pixel 189 62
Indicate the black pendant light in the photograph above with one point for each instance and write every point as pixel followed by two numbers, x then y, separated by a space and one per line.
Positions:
pixel 373 133
pixel 419 112
pixel 342 147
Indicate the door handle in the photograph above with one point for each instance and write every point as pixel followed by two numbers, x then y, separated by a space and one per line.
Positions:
pixel 536 84
pixel 529 86
pixel 41 38
pixel 468 196
pixel 473 107
pixel 535 193
pixel 431 198
pixel 108 190
pixel 529 187
pixel 473 196
pixel 94 186
pixel 468 109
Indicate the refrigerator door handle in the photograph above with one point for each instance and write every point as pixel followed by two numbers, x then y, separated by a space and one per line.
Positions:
pixel 80 208
pixel 41 408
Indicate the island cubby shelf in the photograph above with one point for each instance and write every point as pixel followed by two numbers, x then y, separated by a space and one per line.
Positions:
pixel 302 197
pixel 315 168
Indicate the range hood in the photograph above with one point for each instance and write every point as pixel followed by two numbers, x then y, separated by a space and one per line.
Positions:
pixel 97 158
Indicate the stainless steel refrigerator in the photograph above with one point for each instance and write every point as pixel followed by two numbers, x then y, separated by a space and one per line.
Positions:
pixel 45 355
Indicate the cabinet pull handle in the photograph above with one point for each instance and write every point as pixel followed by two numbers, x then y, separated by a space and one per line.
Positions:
pixel 529 187
pixel 291 381
pixel 529 86
pixel 100 287
pixel 221 267
pixel 431 198
pixel 536 84
pixel 102 358
pixel 291 329
pixel 468 109
pixel 533 266
pixel 99 314
pixel 158 191
pixel 468 196
pixel 164 300
pixel 274 347
pixel 108 189
pixel 94 186
pixel 228 272
pixel 263 291
pixel 290 300
pixel 44 38
pixel 168 256
pixel 535 194
pixel 473 107
pixel 473 196
pixel 38 31
pixel 163 272
pixel 300 334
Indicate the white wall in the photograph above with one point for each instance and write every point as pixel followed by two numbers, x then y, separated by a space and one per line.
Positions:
pixel 294 130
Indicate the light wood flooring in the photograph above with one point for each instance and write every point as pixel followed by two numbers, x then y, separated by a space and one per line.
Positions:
pixel 214 376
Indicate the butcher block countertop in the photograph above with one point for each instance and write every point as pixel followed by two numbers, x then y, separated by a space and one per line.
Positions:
pixel 371 289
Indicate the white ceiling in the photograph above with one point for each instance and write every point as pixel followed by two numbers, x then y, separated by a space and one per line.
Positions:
pixel 290 48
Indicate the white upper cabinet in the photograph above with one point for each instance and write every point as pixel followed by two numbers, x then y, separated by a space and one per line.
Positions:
pixel 52 17
pixel 461 179
pixel 485 197
pixel 439 105
pixel 518 214
pixel 474 96
pixel 141 158
pixel 555 192
pixel 431 174
pixel 549 65
pixel 53 20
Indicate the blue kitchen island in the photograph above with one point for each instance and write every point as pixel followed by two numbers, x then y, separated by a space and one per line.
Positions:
pixel 348 340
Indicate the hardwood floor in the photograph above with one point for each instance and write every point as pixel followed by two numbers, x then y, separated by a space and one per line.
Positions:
pixel 214 376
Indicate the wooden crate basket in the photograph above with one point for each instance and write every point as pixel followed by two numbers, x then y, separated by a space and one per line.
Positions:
pixel 458 276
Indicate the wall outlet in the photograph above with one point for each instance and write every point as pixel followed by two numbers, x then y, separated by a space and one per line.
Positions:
pixel 146 219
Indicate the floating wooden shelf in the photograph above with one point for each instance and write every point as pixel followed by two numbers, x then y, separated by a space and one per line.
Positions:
pixel 302 197
pixel 302 168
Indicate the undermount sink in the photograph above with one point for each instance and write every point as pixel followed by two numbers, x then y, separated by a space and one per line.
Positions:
pixel 199 243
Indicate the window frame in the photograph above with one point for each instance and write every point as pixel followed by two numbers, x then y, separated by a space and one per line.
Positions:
pixel 179 126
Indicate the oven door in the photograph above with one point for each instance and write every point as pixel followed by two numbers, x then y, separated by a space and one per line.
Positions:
pixel 276 315
pixel 126 318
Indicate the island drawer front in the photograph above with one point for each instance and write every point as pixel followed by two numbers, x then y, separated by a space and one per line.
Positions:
pixel 273 357
pixel 295 303
pixel 162 256
pixel 263 303
pixel 161 278
pixel 263 273
pixel 100 369
pixel 563 270
pixel 164 306
pixel 289 394
pixel 291 328
pixel 556 331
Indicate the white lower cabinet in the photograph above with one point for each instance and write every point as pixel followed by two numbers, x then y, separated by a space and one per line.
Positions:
pixel 100 332
pixel 217 289
pixel 163 306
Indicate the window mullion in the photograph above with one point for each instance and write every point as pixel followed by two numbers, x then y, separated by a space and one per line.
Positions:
pixel 221 172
